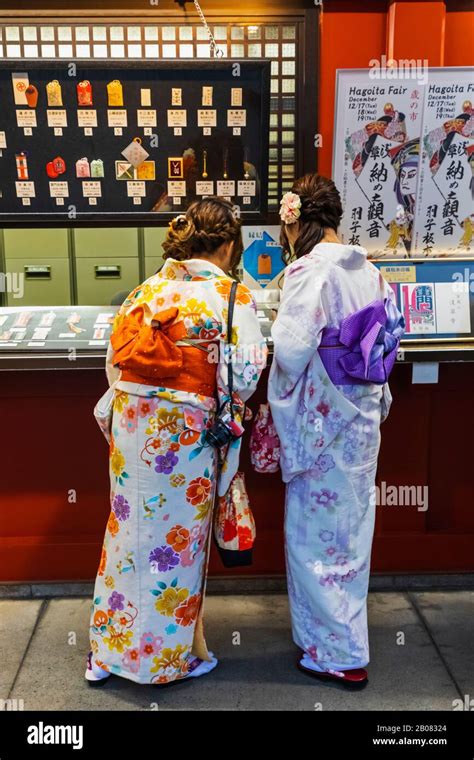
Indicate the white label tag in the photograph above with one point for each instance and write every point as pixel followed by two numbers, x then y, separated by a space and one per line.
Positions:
pixel 91 189
pixel 176 188
pixel 56 118
pixel 205 187
pixel 87 118
pixel 117 118
pixel 236 118
pixel 177 117
pixel 26 118
pixel 146 117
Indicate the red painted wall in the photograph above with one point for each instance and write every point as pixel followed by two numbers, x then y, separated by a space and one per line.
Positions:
pixel 353 33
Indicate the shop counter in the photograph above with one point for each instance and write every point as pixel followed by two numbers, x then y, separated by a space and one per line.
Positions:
pixel 54 490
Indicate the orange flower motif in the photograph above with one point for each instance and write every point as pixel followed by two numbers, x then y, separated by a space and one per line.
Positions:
pixel 113 524
pixel 187 613
pixel 242 296
pixel 100 618
pixel 174 446
pixel 198 491
pixel 188 437
pixel 176 298
pixel 178 538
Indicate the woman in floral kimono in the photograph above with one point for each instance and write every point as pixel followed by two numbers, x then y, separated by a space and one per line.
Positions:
pixel 335 340
pixel 167 373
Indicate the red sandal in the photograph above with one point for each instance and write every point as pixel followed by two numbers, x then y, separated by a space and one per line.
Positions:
pixel 352 679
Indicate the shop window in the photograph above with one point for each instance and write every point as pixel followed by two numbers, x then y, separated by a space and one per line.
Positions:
pixel 278 41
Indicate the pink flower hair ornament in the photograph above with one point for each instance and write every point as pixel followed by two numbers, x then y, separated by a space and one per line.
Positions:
pixel 290 208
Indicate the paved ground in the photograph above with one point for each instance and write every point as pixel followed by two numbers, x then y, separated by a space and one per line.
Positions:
pixel 43 645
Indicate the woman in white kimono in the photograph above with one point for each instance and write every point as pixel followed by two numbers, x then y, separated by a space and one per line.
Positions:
pixel 335 340
pixel 168 372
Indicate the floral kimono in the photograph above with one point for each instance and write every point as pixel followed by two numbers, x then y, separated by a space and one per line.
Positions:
pixel 146 622
pixel 330 437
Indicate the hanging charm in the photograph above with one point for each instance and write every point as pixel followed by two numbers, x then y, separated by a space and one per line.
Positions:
pixel 204 169
pixel 84 93
pixel 31 95
pixel 226 164
pixel 21 165
pixel 246 164
pixel 176 168
pixel 55 167
pixel 135 153
pixel 97 168
pixel 115 93
pixel 82 168
pixel 54 94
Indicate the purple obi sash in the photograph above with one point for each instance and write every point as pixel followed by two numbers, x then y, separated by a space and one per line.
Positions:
pixel 364 348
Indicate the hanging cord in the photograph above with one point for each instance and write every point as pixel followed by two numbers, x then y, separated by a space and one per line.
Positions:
pixel 213 44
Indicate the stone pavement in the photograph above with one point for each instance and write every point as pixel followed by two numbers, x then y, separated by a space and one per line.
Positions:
pixel 421 648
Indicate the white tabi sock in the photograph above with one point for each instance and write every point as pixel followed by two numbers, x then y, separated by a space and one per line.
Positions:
pixel 310 664
pixel 204 667
pixel 94 673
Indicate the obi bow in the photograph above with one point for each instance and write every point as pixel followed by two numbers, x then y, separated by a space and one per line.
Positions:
pixel 364 348
pixel 149 349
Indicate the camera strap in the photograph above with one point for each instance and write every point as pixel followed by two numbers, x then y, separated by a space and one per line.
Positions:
pixel 230 318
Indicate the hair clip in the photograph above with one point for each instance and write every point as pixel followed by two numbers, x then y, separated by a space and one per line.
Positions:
pixel 178 221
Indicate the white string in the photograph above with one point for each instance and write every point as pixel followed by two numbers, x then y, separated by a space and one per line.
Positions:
pixel 215 51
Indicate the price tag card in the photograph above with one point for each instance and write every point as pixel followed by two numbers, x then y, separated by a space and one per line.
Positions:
pixel 176 188
pixel 87 117
pixel 247 187
pixel 58 131
pixel 118 131
pixel 226 187
pixel 117 118
pixel 237 131
pixel 146 117
pixel 136 189
pixel 59 201
pixel 177 117
pixel 207 117
pixel 205 187
pixel 58 190
pixel 91 189
pixel 56 118
pixel 26 201
pixel 236 118
pixel 25 190
pixel 26 118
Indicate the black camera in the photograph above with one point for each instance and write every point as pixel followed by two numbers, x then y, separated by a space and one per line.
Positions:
pixel 219 434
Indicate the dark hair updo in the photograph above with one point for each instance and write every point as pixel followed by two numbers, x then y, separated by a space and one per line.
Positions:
pixel 202 230
pixel 320 208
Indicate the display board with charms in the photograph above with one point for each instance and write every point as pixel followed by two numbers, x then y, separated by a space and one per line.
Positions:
pixel 128 142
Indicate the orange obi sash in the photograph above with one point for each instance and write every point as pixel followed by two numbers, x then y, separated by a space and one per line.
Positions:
pixel 148 354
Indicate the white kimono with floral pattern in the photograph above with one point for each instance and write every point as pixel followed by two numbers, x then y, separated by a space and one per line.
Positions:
pixel 330 437
pixel 146 622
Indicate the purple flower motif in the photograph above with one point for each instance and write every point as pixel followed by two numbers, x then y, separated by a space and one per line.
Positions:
pixel 121 507
pixel 325 462
pixel 165 463
pixel 116 601
pixel 324 497
pixel 348 577
pixel 163 558
pixel 330 551
pixel 326 535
